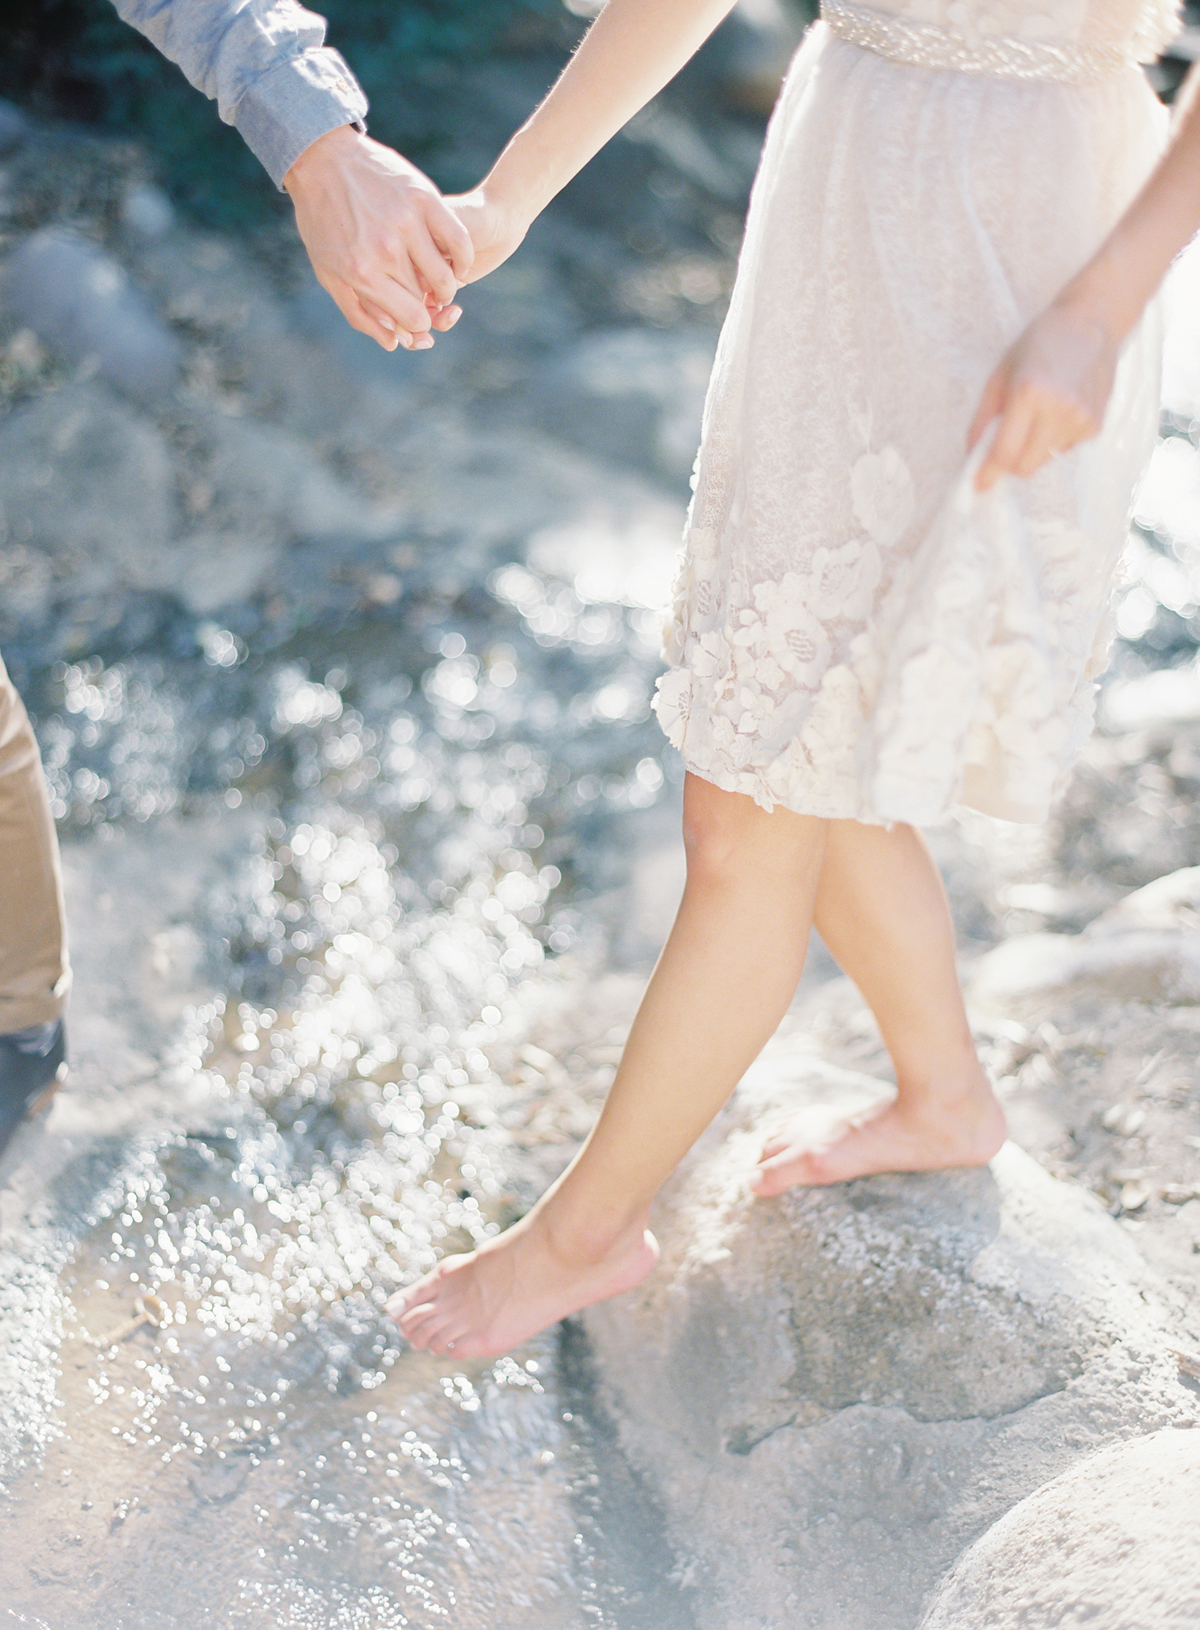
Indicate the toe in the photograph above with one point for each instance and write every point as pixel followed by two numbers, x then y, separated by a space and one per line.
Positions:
pixel 401 1302
pixel 443 1335
pixel 444 1345
pixel 779 1173
pixel 412 1321
pixel 795 1168
pixel 416 1331
pixel 773 1146
pixel 469 1346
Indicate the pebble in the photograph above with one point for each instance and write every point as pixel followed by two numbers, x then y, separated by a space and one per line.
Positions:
pixel 219 1481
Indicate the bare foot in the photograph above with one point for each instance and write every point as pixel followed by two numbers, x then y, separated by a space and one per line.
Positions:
pixel 963 1131
pixel 484 1304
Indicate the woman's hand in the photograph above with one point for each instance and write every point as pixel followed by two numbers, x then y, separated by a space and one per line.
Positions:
pixel 493 230
pixel 1052 389
pixel 1050 392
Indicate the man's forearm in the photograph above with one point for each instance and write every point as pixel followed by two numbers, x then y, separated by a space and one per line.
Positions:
pixel 263 62
pixel 377 232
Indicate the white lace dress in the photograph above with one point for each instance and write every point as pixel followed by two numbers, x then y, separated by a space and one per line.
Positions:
pixel 855 633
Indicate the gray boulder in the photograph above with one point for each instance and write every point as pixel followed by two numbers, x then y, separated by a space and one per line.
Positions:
pixel 259 491
pixel 87 488
pixel 147 212
pixel 1110 1544
pixel 14 128
pixel 88 505
pixel 635 395
pixel 1144 949
pixel 869 1375
pixel 80 302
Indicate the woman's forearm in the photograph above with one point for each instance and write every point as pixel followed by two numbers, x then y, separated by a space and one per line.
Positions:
pixel 630 52
pixel 1117 284
pixel 1052 388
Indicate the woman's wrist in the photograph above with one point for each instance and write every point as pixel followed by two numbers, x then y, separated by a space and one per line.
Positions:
pixel 520 184
pixel 1107 296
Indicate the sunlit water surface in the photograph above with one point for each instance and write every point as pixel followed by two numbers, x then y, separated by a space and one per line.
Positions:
pixel 210 1420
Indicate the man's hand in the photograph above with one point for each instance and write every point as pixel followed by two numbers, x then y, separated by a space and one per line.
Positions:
pixel 380 238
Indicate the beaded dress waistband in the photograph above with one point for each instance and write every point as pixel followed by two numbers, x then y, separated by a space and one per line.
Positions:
pixel 926 45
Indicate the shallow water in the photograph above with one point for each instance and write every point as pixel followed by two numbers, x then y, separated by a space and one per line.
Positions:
pixel 413 826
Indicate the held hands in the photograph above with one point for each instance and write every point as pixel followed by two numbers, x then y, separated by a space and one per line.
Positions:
pixel 381 239
pixel 494 231
pixel 1049 393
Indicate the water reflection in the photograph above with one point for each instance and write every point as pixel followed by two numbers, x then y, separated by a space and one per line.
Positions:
pixel 236 1433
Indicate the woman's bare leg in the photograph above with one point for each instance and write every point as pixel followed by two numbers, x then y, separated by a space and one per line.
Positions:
pixel 882 911
pixel 724 981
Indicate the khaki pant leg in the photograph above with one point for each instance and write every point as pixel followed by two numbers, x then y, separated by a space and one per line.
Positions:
pixel 34 973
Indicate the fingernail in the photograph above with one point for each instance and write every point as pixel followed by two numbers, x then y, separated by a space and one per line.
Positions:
pixel 423 344
pixel 454 313
pixel 387 324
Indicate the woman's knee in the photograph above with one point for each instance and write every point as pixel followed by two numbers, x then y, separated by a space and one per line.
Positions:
pixel 728 837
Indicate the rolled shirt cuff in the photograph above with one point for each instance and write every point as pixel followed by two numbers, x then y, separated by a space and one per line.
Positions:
pixel 286 109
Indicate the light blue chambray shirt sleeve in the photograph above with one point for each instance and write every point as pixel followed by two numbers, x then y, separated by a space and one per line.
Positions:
pixel 265 64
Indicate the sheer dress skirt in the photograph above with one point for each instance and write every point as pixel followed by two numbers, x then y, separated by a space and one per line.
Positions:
pixel 855 633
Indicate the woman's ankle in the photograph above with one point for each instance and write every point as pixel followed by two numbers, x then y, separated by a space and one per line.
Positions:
pixel 585 1237
pixel 947 1089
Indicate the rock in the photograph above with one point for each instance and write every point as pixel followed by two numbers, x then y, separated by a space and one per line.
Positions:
pixel 268 483
pixel 756 47
pixel 147 211
pixel 1091 1038
pixel 25 585
pixel 14 128
pixel 1167 494
pixel 384 373
pixel 1181 355
pixel 501 304
pixel 80 302
pixel 213 570
pixel 869 1375
pixel 613 552
pixel 87 501
pixel 1155 700
pixel 1170 904
pixel 88 486
pixel 635 395
pixel 1111 1544
pixel 677 143
pixel 1144 949
pixel 1137 967
pixel 262 491
pixel 219 1479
